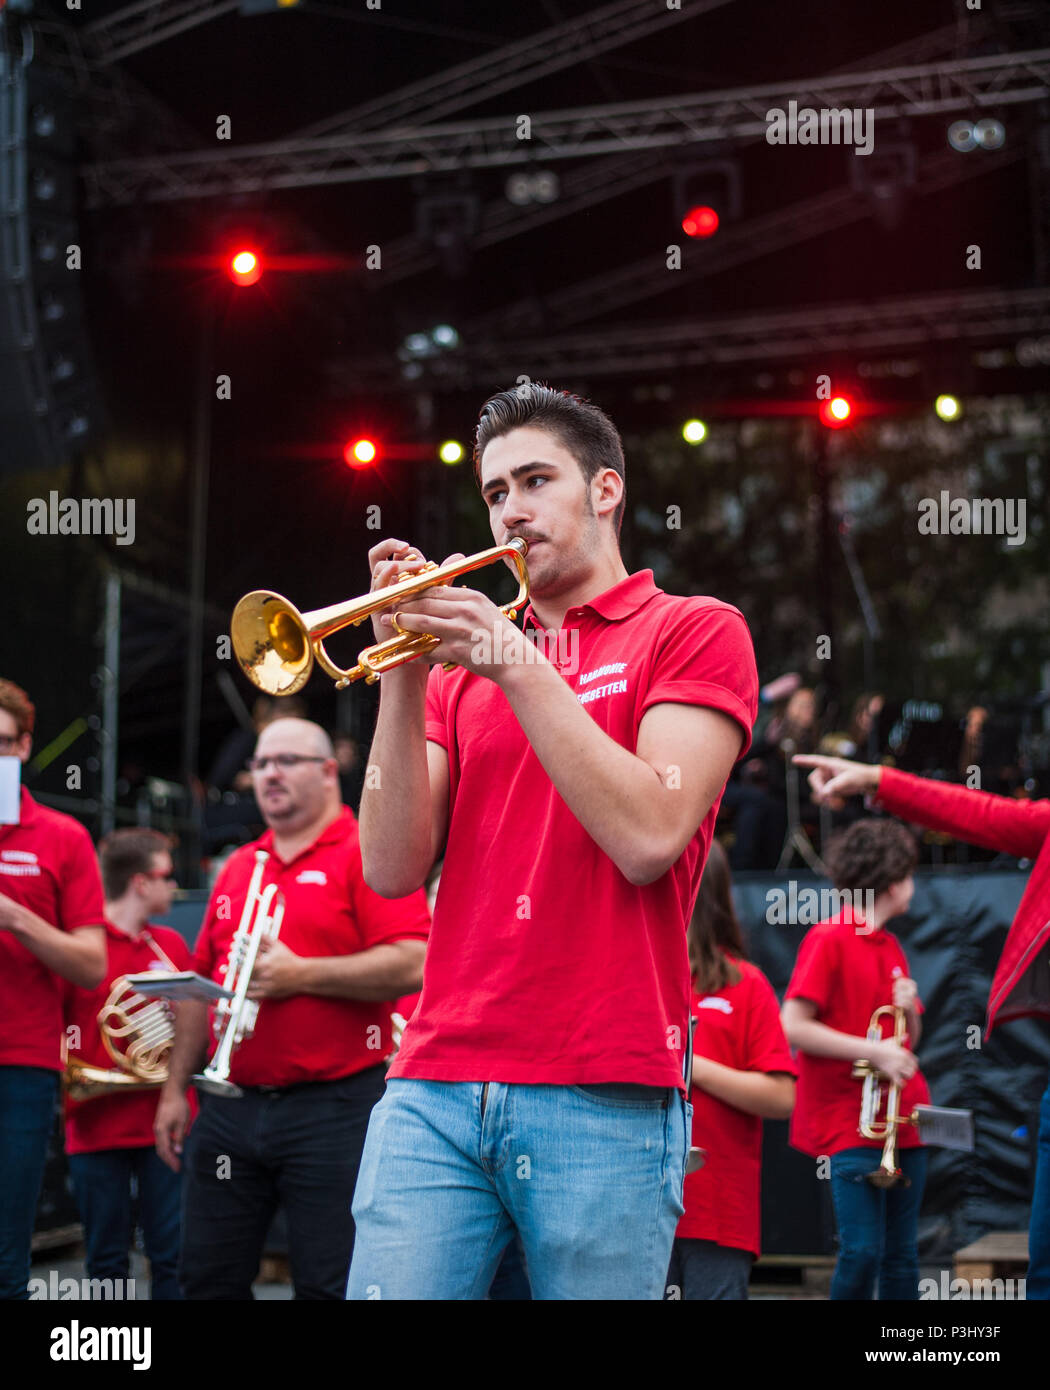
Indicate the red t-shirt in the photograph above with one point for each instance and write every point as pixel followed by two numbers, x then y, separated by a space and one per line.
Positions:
pixel 115 1121
pixel 329 911
pixel 847 970
pixel 545 965
pixel 48 864
pixel 738 1026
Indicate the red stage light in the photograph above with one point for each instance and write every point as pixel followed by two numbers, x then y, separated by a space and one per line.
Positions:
pixel 700 222
pixel 359 453
pixel 245 267
pixel 836 412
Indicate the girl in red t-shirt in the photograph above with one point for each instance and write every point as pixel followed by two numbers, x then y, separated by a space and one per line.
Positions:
pixel 847 967
pixel 742 1073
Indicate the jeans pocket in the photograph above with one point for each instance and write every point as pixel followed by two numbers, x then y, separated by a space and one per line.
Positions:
pixel 623 1095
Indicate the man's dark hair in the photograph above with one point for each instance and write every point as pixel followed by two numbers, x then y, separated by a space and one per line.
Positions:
pixel 871 855
pixel 125 853
pixel 578 426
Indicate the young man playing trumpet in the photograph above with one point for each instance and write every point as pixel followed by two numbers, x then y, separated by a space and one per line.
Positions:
pixel 573 786
pixel 109 1137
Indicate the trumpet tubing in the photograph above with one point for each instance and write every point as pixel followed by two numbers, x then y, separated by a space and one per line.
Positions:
pixel 277 646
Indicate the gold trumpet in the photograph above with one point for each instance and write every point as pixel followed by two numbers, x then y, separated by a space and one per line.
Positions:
pixel 277 645
pixel 887 1174
pixel 137 1033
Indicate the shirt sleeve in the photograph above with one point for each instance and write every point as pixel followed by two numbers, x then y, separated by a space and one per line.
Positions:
pixel 812 976
pixel 383 920
pixel 80 892
pixel 436 719
pixel 767 1047
pixel 706 657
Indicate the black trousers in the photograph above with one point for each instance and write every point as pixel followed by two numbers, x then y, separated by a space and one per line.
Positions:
pixel 298 1148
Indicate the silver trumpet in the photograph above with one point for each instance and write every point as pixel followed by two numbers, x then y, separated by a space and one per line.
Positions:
pixel 235 1018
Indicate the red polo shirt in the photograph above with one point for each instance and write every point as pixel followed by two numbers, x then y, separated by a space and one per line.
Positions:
pixel 48 864
pixel 329 911
pixel 545 965
pixel 847 970
pixel 738 1026
pixel 115 1121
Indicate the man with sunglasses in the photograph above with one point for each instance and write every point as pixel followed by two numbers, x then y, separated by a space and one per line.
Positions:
pixel 109 1138
pixel 313 1068
pixel 50 931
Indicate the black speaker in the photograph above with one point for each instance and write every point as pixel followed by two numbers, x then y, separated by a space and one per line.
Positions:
pixel 48 403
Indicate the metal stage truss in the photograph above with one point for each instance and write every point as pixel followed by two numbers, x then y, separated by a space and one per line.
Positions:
pixel 973 317
pixel 940 88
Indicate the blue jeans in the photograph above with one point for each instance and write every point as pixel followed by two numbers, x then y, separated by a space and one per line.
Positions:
pixel 878 1227
pixel 511 1282
pixel 102 1182
pixel 590 1177
pixel 27 1114
pixel 1038 1282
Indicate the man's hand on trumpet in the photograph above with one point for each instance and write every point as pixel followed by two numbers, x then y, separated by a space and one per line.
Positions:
pixel 388 561
pixel 465 620
pixel 834 778
pixel 277 973
pixel 893 1061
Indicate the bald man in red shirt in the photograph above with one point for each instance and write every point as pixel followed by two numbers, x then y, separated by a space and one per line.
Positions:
pixel 313 1068
pixel 572 773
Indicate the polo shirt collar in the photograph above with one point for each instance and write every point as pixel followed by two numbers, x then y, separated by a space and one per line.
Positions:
pixel 330 835
pixel 616 603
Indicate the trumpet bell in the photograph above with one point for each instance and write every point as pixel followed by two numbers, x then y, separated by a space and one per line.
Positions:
pixel 885 1177
pixel 272 642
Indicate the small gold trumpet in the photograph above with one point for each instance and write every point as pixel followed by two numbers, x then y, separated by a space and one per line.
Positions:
pixel 888 1173
pixel 277 645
